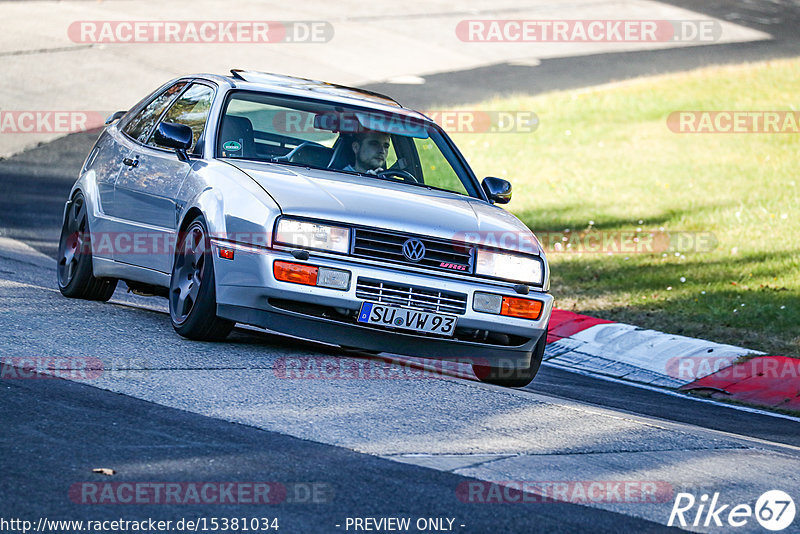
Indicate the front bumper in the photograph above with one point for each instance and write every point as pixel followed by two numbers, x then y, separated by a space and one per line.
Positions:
pixel 247 292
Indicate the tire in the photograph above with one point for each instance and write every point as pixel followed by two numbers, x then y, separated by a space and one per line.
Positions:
pixel 192 288
pixel 74 269
pixel 513 377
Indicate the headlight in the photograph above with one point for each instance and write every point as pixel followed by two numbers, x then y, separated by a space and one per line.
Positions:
pixel 512 267
pixel 305 234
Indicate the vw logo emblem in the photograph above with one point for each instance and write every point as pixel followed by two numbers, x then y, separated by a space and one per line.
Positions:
pixel 414 249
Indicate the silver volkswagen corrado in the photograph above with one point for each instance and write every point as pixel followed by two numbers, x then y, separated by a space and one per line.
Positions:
pixel 310 209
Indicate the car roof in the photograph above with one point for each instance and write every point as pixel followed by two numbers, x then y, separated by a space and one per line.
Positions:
pixel 294 86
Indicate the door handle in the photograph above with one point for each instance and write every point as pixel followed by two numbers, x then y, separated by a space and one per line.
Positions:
pixel 131 162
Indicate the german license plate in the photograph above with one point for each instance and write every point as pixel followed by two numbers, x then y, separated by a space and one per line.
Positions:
pixel 406 319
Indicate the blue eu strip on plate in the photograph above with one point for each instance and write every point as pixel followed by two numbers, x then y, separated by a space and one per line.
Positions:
pixel 366 310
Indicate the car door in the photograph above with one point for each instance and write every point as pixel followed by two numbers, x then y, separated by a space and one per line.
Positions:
pixel 122 139
pixel 146 191
pixel 105 161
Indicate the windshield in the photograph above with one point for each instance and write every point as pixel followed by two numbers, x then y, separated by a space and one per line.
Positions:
pixel 318 135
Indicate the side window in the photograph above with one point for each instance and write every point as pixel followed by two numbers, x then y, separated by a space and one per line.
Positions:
pixel 191 109
pixel 140 125
pixel 436 171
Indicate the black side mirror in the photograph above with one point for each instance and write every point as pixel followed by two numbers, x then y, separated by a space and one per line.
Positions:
pixel 115 116
pixel 497 189
pixel 177 136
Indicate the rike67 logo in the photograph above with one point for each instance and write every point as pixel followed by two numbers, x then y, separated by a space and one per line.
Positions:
pixel 774 510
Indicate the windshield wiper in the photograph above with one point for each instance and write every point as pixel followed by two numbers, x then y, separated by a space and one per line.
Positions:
pixel 275 161
pixel 386 179
pixel 287 162
pixel 352 173
pixel 417 184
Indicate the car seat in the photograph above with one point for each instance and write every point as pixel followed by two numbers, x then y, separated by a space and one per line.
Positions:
pixel 239 130
pixel 342 153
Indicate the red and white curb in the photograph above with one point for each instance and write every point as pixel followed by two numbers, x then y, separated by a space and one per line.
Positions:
pixel 772 381
pixel 652 359
pixel 632 353
pixel 643 356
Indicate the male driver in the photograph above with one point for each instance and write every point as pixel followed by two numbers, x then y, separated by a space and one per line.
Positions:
pixel 370 149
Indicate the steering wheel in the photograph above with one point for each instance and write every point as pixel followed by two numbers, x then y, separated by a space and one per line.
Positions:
pixel 403 175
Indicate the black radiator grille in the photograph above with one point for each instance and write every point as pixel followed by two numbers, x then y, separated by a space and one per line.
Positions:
pixel 422 298
pixel 387 246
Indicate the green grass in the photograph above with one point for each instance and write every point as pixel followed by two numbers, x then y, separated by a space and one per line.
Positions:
pixel 605 155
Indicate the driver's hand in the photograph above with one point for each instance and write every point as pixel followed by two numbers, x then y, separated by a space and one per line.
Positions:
pixel 375 171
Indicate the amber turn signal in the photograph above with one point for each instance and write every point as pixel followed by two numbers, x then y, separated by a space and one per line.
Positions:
pixel 295 273
pixel 524 308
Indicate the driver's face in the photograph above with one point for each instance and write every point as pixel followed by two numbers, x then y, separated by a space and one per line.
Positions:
pixel 371 152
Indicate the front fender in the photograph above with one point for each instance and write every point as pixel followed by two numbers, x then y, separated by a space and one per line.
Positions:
pixel 234 206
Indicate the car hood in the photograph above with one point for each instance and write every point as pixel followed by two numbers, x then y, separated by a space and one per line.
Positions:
pixel 375 203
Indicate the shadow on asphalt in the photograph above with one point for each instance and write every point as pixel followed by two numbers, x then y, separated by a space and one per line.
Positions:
pixel 778 18
pixel 62 430
pixel 34 186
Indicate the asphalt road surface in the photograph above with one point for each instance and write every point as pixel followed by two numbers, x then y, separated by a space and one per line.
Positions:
pixel 165 409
